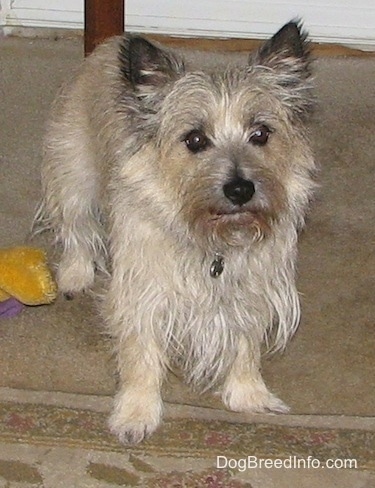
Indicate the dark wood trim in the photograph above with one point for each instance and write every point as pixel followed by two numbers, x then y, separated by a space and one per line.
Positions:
pixel 247 45
pixel 103 18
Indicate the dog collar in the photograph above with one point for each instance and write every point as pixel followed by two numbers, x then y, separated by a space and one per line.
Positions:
pixel 217 266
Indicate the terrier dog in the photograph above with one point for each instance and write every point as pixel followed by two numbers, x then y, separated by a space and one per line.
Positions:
pixel 189 187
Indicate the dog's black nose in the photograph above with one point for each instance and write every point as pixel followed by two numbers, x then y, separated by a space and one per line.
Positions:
pixel 239 191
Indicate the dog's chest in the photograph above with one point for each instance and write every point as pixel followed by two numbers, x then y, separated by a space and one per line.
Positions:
pixel 216 285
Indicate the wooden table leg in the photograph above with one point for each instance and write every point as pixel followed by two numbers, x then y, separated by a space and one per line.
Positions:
pixel 103 18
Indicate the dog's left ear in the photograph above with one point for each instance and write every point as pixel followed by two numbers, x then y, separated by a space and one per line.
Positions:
pixel 287 56
pixel 287 50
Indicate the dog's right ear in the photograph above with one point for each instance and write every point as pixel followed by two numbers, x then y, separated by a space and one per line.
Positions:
pixel 147 66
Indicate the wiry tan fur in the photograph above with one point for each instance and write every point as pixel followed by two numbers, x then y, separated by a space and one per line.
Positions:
pixel 122 191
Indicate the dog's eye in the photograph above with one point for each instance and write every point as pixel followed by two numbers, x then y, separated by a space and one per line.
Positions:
pixel 196 141
pixel 260 136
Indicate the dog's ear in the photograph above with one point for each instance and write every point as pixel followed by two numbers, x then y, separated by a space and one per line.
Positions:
pixel 145 65
pixel 288 48
pixel 287 58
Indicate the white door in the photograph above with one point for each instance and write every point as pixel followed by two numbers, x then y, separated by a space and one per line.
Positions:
pixel 346 21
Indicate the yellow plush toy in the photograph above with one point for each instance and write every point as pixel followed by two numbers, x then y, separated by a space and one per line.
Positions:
pixel 25 279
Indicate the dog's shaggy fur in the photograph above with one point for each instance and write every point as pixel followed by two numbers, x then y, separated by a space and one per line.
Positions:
pixel 190 188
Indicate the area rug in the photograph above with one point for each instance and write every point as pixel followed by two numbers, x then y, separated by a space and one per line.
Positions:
pixel 39 442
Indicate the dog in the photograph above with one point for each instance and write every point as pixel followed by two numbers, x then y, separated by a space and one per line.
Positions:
pixel 190 187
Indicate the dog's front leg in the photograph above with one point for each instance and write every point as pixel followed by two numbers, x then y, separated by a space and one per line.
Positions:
pixel 138 404
pixel 244 389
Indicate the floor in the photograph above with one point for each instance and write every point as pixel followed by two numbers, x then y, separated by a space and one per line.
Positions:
pixel 328 369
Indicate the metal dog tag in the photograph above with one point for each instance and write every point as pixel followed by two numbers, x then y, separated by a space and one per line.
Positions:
pixel 217 266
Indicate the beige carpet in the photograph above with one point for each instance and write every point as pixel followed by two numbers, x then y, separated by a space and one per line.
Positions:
pixel 329 368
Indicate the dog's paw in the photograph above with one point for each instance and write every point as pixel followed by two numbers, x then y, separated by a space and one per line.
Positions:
pixel 133 421
pixel 131 432
pixel 251 397
pixel 75 275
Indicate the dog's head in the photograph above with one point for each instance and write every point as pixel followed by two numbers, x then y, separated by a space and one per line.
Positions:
pixel 230 144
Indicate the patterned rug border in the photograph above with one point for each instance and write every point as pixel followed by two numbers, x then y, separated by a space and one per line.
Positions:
pixel 51 425
pixel 180 410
